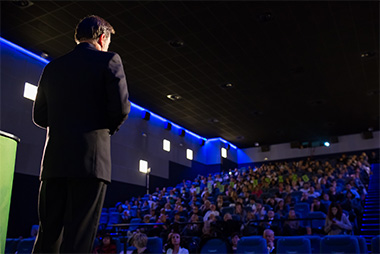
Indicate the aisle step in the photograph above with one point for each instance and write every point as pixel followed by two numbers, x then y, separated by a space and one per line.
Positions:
pixel 370 222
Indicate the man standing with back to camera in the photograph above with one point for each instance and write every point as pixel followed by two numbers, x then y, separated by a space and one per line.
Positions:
pixel 82 100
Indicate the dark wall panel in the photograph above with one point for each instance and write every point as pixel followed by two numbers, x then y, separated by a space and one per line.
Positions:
pixel 228 164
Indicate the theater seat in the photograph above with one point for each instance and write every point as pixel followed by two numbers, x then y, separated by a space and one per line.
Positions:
pixel 252 244
pixel 103 218
pixel 302 208
pixel 154 245
pixel 227 209
pixel 216 246
pixel 375 244
pixel 340 244
pixel 134 221
pixel 315 243
pixel 11 245
pixel 25 246
pixel 114 218
pixel 293 245
pixel 319 222
pixel 362 244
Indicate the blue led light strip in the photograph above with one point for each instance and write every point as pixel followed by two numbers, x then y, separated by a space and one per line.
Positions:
pixel 26 52
pixel 165 120
pixel 33 55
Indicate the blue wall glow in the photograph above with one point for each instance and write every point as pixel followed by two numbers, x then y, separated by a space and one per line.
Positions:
pixel 45 61
pixel 27 52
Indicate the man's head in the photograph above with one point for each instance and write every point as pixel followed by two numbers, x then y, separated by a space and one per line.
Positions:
pixel 95 30
pixel 268 235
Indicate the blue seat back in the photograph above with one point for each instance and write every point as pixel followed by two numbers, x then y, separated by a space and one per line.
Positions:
pixel 252 244
pixel 118 244
pixel 214 246
pixel 25 246
pixel 375 244
pixel 362 244
pixel 133 211
pixel 293 245
pixel 227 209
pixel 315 243
pixel 114 218
pixel 320 217
pixel 112 209
pixel 134 221
pixel 297 195
pixel 326 203
pixel 103 218
pixel 154 245
pixel 11 245
pixel 340 244
pixel 302 208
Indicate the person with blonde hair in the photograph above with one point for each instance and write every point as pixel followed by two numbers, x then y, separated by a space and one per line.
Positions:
pixel 140 241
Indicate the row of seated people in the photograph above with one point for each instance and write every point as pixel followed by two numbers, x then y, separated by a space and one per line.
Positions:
pixel 269 243
pixel 255 194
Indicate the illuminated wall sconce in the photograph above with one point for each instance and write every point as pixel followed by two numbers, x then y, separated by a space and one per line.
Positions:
pixel 30 91
pixel 143 167
pixel 223 152
pixel 166 145
pixel 189 154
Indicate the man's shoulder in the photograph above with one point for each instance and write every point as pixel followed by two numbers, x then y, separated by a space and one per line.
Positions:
pixel 78 54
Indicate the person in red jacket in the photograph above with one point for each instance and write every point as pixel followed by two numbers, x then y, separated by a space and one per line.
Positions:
pixel 106 246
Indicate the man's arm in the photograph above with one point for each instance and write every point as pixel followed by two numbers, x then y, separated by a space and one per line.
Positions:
pixel 118 106
pixel 40 109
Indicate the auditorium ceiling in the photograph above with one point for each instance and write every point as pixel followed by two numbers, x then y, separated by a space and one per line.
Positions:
pixel 249 72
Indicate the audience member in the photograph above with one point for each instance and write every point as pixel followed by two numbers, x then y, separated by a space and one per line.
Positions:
pixel 211 211
pixel 106 245
pixel 246 190
pixel 194 228
pixel 270 222
pixel 337 222
pixel 235 237
pixel 268 235
pixel 174 244
pixel 140 242
pixel 292 225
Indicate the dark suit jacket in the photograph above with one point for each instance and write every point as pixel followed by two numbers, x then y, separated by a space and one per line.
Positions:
pixel 82 99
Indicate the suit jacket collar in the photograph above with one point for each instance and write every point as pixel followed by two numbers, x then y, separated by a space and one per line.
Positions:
pixel 86 45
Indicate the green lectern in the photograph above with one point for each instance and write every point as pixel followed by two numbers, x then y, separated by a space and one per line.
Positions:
pixel 8 146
